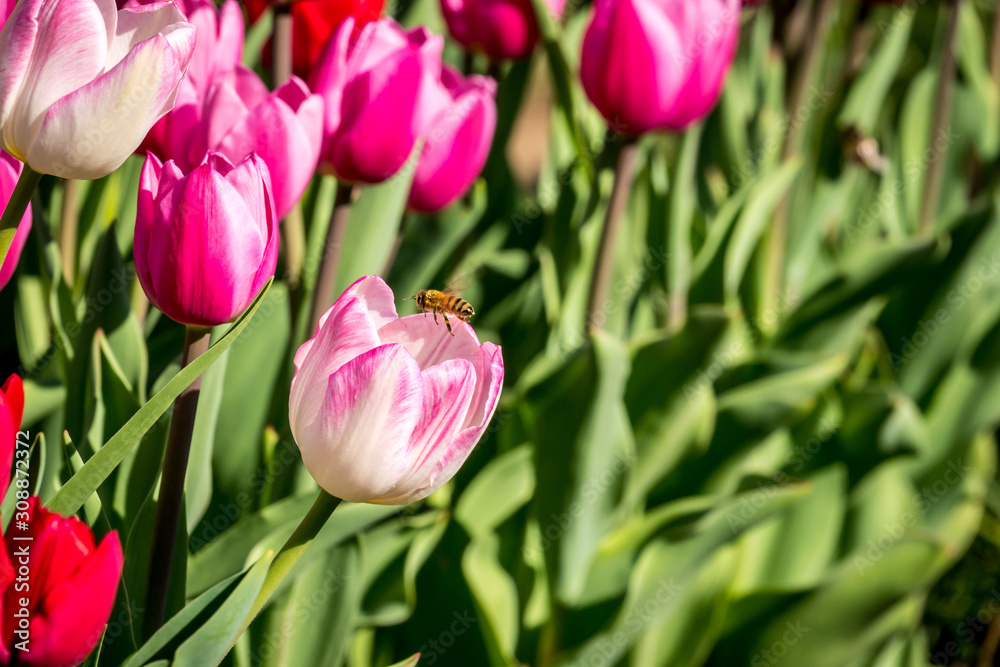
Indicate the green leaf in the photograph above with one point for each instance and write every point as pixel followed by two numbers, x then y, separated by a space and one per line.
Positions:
pixel 198 481
pixel 212 641
pixel 495 594
pixel 80 487
pixel 505 485
pixel 374 224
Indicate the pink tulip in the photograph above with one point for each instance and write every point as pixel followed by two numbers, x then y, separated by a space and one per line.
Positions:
pixel 457 141
pixel 284 129
pixel 658 64
pixel 218 51
pixel 10 170
pixel 385 409
pixel 69 587
pixel 374 88
pixel 6 7
pixel 499 28
pixel 82 83
pixel 205 242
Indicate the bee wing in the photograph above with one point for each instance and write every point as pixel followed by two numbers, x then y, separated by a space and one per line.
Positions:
pixel 458 283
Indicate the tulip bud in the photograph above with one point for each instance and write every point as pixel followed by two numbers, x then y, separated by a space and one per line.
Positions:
pixel 82 84
pixel 284 129
pixel 385 409
pixel 499 28
pixel 205 242
pixel 658 64
pixel 457 142
pixel 314 22
pixel 69 587
pixel 11 411
pixel 10 170
pixel 375 90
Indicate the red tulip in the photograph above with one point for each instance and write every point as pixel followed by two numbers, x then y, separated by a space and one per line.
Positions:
pixel 63 590
pixel 315 21
pixel 11 410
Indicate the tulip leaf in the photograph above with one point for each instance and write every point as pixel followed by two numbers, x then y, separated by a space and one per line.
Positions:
pixel 373 226
pixel 495 594
pixel 80 487
pixel 213 639
pixel 505 485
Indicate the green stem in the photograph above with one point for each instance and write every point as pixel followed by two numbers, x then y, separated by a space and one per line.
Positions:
pixel 19 201
pixel 171 495
pixel 292 551
pixel 68 226
pixel 942 122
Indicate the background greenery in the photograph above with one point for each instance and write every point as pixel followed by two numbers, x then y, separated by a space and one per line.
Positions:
pixel 750 466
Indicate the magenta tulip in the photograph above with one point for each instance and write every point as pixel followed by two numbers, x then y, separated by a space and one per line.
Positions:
pixel 658 64
pixel 457 141
pixel 499 28
pixel 82 83
pixel 375 89
pixel 385 409
pixel 217 52
pixel 205 242
pixel 284 129
pixel 10 170
pixel 69 591
pixel 6 7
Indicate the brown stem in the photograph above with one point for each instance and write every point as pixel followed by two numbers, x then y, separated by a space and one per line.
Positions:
pixel 604 268
pixel 168 504
pixel 323 294
pixel 281 44
pixel 942 121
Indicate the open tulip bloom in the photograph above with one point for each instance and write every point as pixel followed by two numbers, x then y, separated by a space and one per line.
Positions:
pixel 82 83
pixel 385 409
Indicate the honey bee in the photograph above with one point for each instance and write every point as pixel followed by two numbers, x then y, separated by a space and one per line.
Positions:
pixel 435 301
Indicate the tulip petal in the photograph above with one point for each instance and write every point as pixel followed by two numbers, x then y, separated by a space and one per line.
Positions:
pixel 347 335
pixel 17 43
pixel 149 186
pixel 13 395
pixel 77 609
pixel 448 391
pixel 229 49
pixel 372 405
pixel 90 132
pixel 137 24
pixel 69 50
pixel 377 298
pixel 330 76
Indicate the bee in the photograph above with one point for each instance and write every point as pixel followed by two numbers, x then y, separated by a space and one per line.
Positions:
pixel 435 301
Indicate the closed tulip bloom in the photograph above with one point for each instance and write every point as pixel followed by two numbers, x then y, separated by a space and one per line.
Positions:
pixel 457 142
pixel 314 22
pixel 205 242
pixel 375 89
pixel 11 411
pixel 499 28
pixel 284 129
pixel 71 586
pixel 82 83
pixel 658 64
pixel 10 169
pixel 385 409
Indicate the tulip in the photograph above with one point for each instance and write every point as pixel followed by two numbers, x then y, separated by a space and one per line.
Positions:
pixel 10 169
pixel 82 84
pixel 71 586
pixel 284 129
pixel 458 141
pixel 375 90
pixel 219 49
pixel 499 28
pixel 11 411
pixel 6 7
pixel 315 21
pixel 205 242
pixel 658 64
pixel 385 409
